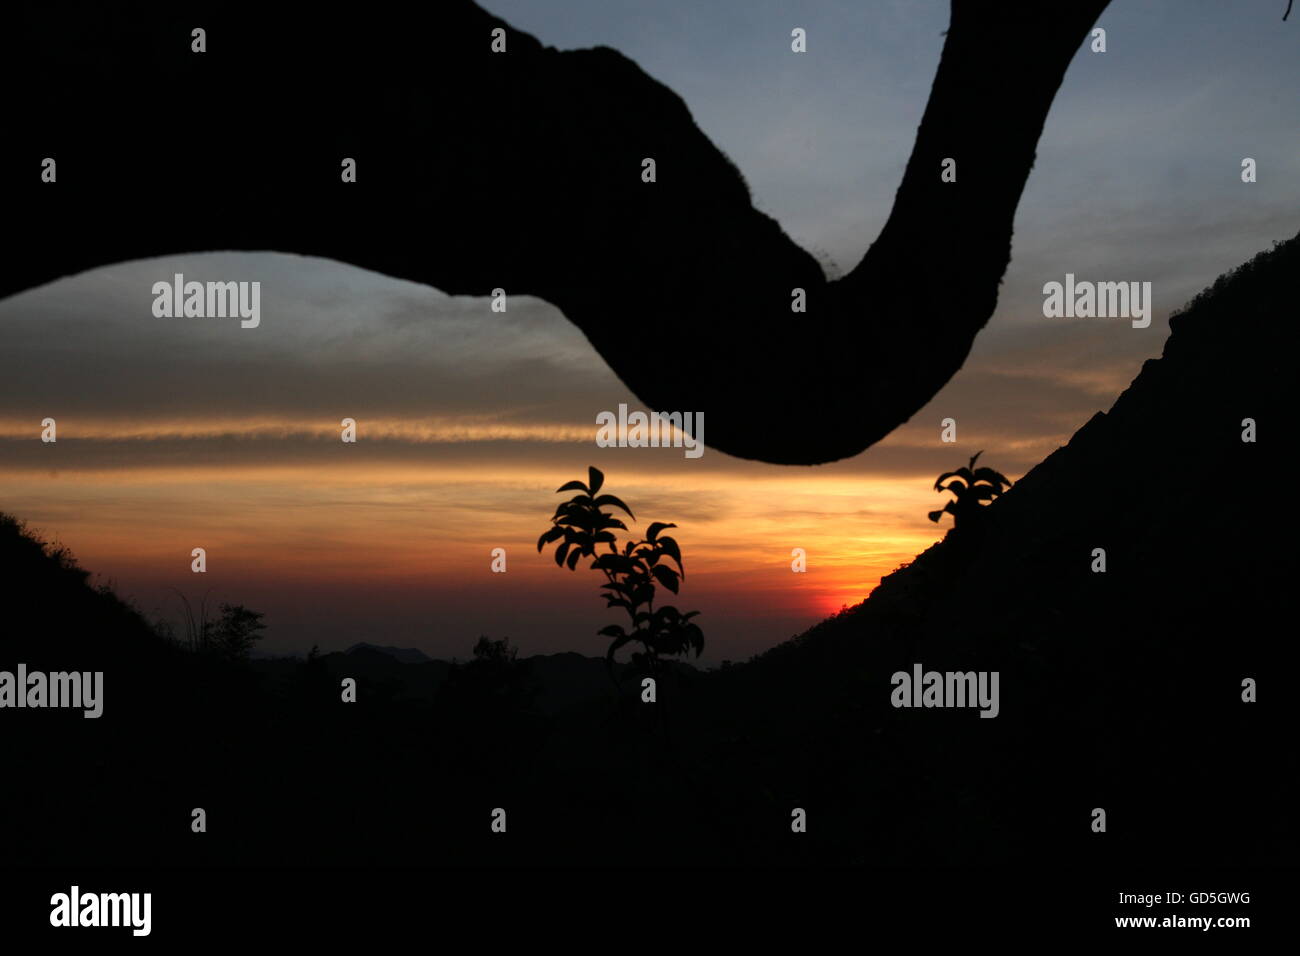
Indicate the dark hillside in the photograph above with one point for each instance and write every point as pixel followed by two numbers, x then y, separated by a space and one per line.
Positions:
pixel 1120 690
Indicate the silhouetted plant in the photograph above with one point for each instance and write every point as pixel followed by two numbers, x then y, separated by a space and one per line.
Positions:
pixel 632 573
pixel 495 652
pixel 233 635
pixel 494 677
pixel 486 716
pixel 197 627
pixel 971 487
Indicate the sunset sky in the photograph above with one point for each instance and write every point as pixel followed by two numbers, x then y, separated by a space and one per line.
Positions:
pixel 180 433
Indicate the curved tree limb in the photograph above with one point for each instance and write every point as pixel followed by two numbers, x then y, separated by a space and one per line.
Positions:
pixel 522 171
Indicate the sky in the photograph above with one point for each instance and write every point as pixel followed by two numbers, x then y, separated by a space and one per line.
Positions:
pixel 182 433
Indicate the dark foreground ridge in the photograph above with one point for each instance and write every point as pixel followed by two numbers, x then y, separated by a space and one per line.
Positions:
pixel 1119 690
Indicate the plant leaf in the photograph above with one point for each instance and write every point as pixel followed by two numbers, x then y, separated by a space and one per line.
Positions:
pixel 618 642
pixel 991 476
pixel 612 500
pixel 653 531
pixel 549 535
pixel 595 478
pixel 696 637
pixel 669 547
pixel 666 576
pixel 938 482
pixel 572 486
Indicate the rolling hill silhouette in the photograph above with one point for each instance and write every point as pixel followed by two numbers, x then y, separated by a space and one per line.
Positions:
pixel 1119 690
pixel 407 655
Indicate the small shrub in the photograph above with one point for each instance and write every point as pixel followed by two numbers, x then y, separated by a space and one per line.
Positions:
pixel 582 529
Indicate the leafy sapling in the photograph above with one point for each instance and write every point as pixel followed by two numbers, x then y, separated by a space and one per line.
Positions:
pixel 971 487
pixel 632 574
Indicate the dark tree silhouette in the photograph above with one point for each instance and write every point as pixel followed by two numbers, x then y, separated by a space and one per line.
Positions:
pixel 439 200
pixel 493 677
pixel 495 653
pixel 234 633
pixel 972 488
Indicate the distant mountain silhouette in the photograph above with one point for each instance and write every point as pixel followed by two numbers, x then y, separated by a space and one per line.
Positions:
pixel 1119 690
pixel 407 655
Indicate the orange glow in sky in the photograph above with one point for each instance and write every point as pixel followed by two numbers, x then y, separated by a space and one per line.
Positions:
pixel 415 535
